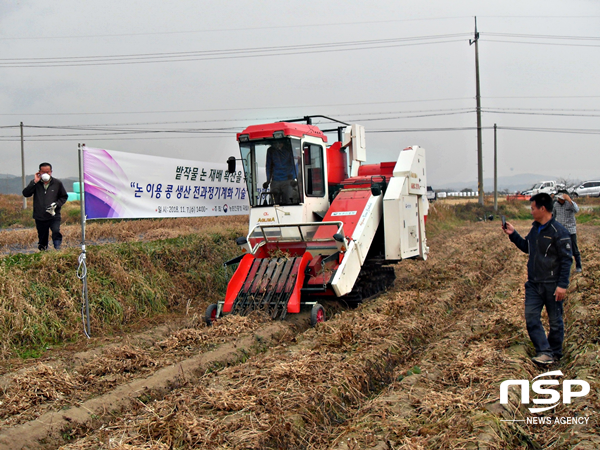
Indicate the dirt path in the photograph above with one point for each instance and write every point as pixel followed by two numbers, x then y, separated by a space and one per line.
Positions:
pixel 418 367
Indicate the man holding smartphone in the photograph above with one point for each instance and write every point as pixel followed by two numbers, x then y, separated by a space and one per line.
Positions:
pixel 548 267
pixel 564 211
pixel 49 195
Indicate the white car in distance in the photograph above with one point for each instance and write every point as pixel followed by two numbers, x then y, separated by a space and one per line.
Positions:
pixel 587 189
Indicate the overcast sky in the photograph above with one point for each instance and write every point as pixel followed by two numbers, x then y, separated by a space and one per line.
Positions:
pixel 404 70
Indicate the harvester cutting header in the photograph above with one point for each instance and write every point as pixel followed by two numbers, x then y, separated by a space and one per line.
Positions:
pixel 323 224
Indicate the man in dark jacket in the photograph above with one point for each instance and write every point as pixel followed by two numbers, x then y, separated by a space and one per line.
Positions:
pixel 549 247
pixel 282 174
pixel 49 195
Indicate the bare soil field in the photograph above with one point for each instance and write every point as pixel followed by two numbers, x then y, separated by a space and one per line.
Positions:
pixel 417 368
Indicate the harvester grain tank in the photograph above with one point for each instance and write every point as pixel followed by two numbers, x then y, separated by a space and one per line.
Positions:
pixel 323 223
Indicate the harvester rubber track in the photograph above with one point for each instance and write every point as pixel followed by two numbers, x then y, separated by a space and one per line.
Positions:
pixel 372 281
pixel 268 287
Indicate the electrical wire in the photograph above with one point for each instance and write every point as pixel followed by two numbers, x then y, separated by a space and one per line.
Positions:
pixel 304 107
pixel 540 36
pixel 275 27
pixel 228 136
pixel 589 131
pixel 543 96
pixel 541 43
pixel 549 109
pixel 117 131
pixel 221 30
pixel 104 127
pixel 493 111
pixel 237 50
pixel 553 130
pixel 238 109
pixel 413 130
pixel 145 58
pixel 513 36
pixel 413 117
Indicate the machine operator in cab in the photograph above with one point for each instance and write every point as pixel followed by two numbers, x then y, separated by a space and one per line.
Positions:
pixel 282 174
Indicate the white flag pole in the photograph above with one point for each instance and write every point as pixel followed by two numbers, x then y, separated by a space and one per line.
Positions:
pixel 82 269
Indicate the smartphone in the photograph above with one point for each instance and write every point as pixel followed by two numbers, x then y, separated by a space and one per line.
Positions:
pixel 503 219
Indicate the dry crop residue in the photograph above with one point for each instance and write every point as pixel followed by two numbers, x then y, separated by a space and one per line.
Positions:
pixel 417 368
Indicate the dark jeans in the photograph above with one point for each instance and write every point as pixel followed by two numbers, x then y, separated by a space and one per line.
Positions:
pixel 43 229
pixel 538 295
pixel 283 193
pixel 576 253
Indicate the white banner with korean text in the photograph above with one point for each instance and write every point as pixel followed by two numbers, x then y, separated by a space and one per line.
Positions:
pixel 119 185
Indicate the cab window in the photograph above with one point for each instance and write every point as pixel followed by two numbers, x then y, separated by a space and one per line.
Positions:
pixel 314 179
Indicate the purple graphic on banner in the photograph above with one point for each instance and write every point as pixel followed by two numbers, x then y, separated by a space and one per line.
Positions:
pixel 101 193
pixel 120 185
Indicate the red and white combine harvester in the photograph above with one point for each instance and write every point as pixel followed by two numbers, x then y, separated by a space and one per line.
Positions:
pixel 323 224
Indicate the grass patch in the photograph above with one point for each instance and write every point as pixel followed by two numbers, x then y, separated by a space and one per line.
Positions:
pixel 589 216
pixel 40 294
pixel 445 216
pixel 12 214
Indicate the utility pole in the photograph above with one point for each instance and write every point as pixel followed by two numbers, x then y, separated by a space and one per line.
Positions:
pixel 495 172
pixel 478 99
pixel 23 166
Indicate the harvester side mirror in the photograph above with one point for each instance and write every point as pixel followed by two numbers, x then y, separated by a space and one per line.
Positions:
pixel 242 242
pixel 231 164
pixel 376 190
pixel 340 242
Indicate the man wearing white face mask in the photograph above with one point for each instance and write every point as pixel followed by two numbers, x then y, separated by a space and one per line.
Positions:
pixel 49 195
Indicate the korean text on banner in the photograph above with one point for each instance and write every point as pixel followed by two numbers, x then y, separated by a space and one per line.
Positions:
pixel 119 185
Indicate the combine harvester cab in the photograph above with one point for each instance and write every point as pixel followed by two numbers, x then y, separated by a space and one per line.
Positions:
pixel 322 223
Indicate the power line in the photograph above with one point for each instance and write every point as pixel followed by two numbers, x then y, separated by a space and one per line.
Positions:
pixel 204 55
pixel 541 36
pixel 234 50
pixel 548 109
pixel 80 138
pixel 105 130
pixel 434 112
pixel 542 43
pixel 589 131
pixel 414 130
pixel 92 128
pixel 275 27
pixel 351 117
pixel 221 30
pixel 466 111
pixel 543 96
pixel 237 109
pixel 541 17
pixel 493 111
pixel 554 130
pixel 186 111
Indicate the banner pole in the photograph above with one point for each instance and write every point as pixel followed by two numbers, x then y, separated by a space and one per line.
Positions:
pixel 82 269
